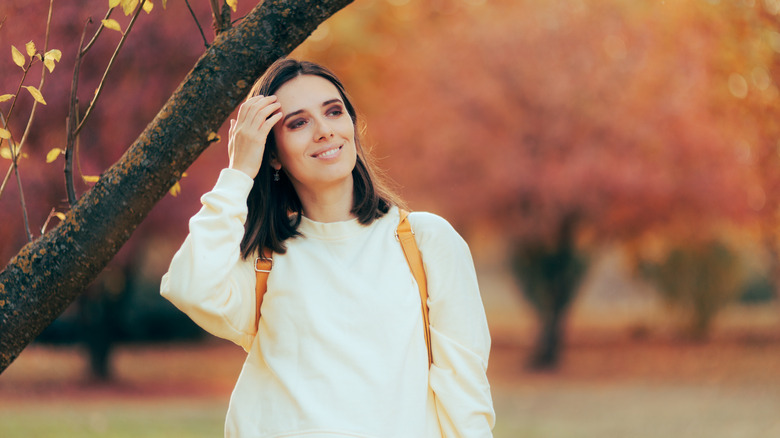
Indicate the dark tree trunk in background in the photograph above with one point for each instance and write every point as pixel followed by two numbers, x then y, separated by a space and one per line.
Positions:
pixel 549 275
pixel 49 273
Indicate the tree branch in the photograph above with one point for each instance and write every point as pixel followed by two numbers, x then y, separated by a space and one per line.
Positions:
pixel 49 273
pixel 83 51
pixel 108 67
pixel 72 120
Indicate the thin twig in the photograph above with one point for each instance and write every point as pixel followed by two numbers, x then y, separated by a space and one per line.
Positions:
pixel 43 79
pixel 108 68
pixel 72 120
pixel 16 96
pixel 52 213
pixel 24 204
pixel 202 34
pixel 15 167
pixel 4 120
pixel 217 12
pixel 7 177
pixel 13 162
pixel 99 30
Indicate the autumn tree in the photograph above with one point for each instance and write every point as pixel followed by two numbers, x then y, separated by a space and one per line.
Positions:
pixel 48 273
pixel 559 125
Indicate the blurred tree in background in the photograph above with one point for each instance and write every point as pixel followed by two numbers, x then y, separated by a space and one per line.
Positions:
pixel 697 280
pixel 566 125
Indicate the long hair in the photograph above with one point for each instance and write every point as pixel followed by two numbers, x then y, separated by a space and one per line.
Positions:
pixel 275 210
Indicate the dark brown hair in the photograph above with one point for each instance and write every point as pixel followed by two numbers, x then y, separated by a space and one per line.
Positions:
pixel 274 207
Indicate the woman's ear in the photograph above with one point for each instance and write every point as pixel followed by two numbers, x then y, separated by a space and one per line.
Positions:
pixel 275 163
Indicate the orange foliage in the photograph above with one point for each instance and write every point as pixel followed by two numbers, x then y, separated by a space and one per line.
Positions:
pixel 627 115
pixel 631 116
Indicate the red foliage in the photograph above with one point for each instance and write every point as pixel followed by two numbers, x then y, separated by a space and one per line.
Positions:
pixel 520 114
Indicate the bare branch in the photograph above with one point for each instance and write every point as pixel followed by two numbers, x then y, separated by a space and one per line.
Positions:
pixel 72 120
pixel 24 204
pixel 83 51
pixel 108 68
pixel 40 84
pixel 16 96
pixel 202 34
pixel 15 166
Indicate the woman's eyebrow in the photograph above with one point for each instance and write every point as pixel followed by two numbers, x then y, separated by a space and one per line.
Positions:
pixel 326 103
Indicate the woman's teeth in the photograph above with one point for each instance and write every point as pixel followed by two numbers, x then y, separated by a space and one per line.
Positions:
pixel 329 153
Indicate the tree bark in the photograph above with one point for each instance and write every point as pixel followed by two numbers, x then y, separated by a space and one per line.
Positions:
pixel 48 274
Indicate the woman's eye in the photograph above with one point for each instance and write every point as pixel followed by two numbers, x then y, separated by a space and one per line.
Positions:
pixel 297 123
pixel 335 112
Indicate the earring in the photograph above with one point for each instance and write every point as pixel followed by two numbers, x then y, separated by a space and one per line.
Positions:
pixel 276 175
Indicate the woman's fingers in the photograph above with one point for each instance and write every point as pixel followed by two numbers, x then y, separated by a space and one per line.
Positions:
pixel 251 109
pixel 248 133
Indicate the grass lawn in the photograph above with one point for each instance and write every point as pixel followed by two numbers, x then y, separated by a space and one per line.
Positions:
pixel 113 418
pixel 606 387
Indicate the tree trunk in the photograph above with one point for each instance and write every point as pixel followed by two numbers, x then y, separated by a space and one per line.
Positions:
pixel 49 273
pixel 549 274
pixel 546 351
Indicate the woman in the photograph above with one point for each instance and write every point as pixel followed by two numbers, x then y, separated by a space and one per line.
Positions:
pixel 339 350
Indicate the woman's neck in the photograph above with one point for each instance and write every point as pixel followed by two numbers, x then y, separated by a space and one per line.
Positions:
pixel 331 204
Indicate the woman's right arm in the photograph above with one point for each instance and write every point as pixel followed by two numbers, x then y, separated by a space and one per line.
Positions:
pixel 207 278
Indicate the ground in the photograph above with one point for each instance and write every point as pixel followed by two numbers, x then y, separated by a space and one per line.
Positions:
pixel 611 384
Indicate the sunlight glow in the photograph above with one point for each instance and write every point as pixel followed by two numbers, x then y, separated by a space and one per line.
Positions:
pixel 738 86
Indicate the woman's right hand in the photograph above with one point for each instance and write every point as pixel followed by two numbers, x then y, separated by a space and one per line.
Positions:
pixel 248 132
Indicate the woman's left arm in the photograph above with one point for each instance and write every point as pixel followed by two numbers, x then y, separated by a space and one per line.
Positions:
pixel 459 332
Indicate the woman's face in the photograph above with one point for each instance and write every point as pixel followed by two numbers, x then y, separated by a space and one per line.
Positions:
pixel 315 139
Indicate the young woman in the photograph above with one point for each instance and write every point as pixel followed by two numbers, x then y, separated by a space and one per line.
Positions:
pixel 339 350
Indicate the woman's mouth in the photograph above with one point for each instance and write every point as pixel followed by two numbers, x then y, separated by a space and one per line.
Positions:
pixel 328 153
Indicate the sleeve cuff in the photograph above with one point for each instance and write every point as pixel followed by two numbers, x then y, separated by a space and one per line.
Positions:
pixel 234 181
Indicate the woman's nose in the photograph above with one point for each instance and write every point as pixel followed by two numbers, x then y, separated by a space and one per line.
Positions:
pixel 324 130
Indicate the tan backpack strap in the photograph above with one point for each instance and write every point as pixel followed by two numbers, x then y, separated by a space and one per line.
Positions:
pixel 405 235
pixel 263 265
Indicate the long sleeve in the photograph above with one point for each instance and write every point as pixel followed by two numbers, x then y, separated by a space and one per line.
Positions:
pixel 207 279
pixel 459 331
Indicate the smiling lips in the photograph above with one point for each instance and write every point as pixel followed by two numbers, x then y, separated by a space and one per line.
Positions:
pixel 328 153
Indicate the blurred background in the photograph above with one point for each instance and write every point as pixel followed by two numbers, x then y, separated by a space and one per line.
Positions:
pixel 613 164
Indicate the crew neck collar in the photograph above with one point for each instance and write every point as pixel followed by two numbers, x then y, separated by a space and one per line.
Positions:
pixel 329 230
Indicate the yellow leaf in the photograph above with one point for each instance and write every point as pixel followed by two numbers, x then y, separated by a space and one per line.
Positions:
pixel 213 136
pixel 113 3
pixel 5 97
pixel 175 190
pixel 5 153
pixel 165 3
pixel 53 154
pixel 49 64
pixel 148 6
pixel 184 174
pixel 59 216
pixel 90 178
pixel 18 57
pixel 53 54
pixel 30 47
pixel 35 93
pixel 5 134
pixel 128 6
pixel 233 4
pixel 111 24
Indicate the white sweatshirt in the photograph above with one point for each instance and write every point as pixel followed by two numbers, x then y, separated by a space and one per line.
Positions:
pixel 340 351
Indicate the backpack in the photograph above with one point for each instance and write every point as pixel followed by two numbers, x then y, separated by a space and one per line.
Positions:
pixel 405 236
